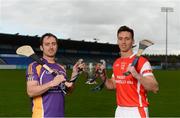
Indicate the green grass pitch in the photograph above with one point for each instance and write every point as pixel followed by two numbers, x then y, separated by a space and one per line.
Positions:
pixel 14 101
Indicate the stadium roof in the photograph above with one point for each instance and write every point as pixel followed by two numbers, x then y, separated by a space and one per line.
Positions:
pixel 18 40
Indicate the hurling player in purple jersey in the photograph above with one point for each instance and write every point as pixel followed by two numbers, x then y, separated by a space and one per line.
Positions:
pixel 42 87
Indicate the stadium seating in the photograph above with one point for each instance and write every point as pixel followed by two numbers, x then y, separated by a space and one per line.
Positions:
pixel 12 59
pixel 68 53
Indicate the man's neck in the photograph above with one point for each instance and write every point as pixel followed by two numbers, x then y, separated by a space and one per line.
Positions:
pixel 49 59
pixel 126 54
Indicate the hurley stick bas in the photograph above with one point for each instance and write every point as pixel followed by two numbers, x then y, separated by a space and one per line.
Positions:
pixel 143 44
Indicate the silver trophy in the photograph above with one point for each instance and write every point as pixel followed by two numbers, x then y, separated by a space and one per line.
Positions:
pixel 94 71
pixel 90 74
pixel 100 70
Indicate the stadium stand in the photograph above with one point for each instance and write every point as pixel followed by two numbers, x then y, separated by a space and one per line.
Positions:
pixel 68 53
pixel 12 59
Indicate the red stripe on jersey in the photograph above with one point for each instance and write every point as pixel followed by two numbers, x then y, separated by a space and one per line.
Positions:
pixel 142 112
pixel 147 71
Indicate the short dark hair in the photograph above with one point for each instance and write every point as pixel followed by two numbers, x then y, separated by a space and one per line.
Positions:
pixel 125 28
pixel 49 35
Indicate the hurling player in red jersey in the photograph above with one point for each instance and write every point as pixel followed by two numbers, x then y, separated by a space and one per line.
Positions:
pixel 131 90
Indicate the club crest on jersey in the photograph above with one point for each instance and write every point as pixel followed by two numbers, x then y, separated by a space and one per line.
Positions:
pixel 123 64
pixel 48 73
pixel 57 72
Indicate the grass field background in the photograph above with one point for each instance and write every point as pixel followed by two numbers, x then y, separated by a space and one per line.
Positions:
pixel 14 101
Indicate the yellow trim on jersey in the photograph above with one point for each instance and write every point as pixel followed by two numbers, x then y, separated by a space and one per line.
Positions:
pixel 38 68
pixel 38 110
pixel 30 69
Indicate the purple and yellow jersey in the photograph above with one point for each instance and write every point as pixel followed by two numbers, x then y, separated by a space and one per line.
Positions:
pixel 51 103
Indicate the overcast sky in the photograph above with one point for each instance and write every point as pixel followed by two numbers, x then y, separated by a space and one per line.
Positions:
pixel 89 19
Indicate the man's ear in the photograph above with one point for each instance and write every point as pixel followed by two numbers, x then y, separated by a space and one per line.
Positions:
pixel 41 48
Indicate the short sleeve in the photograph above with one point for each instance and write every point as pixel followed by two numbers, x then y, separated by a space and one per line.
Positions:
pixel 146 69
pixel 31 72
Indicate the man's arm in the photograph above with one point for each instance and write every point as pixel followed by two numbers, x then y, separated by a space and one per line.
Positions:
pixel 109 83
pixel 149 82
pixel 34 89
pixel 77 69
pixel 70 85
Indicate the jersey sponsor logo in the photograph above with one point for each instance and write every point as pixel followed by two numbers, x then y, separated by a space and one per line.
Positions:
pixel 120 77
pixel 116 65
pixel 124 81
pixel 55 89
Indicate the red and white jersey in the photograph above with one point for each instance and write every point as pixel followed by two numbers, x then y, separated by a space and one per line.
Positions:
pixel 129 91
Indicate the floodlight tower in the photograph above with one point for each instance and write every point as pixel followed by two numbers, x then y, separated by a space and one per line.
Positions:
pixel 166 10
